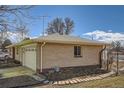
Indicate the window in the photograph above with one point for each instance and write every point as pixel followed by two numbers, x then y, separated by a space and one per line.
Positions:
pixel 77 51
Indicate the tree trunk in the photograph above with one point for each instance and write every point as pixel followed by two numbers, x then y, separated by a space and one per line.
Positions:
pixel 117 64
pixel 107 61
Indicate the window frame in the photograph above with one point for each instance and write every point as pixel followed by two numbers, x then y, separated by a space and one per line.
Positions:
pixel 77 51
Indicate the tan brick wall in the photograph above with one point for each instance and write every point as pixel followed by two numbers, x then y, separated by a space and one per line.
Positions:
pixel 63 55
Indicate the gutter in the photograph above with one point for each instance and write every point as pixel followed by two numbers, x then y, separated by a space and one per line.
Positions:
pixel 41 56
pixel 100 55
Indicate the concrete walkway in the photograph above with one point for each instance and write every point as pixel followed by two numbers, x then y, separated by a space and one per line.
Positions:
pixel 78 80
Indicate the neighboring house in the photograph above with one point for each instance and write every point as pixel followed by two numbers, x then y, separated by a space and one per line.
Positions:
pixel 0 47
pixel 47 52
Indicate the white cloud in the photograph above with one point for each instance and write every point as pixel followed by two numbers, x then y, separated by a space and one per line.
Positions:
pixel 107 36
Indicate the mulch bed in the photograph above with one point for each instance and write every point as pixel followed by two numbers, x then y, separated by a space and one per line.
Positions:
pixel 19 81
pixel 74 72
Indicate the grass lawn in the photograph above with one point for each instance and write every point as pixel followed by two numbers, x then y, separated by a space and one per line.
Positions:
pixel 110 82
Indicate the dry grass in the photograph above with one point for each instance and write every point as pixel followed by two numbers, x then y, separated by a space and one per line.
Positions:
pixel 110 82
pixel 121 64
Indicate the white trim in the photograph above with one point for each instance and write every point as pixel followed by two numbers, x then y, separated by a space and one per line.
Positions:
pixel 41 56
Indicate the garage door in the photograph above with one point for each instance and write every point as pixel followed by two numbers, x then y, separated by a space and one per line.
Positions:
pixel 30 59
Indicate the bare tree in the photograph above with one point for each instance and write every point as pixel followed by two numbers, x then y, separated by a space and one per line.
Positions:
pixel 56 26
pixel 60 26
pixel 12 13
pixel 69 25
pixel 13 9
pixel 3 32
pixel 11 17
pixel 23 31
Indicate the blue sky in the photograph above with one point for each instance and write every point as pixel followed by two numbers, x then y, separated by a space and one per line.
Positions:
pixel 86 18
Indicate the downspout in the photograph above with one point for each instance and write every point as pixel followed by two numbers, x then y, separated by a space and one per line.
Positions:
pixel 100 56
pixel 42 56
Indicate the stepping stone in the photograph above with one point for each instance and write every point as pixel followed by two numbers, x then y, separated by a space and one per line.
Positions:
pixel 98 77
pixel 105 76
pixel 63 82
pixel 59 82
pixel 93 78
pixel 55 82
pixel 81 80
pixel 74 81
pixel 87 79
pixel 71 82
pixel 102 76
pixel 66 82
pixel 84 79
pixel 78 80
pixel 90 78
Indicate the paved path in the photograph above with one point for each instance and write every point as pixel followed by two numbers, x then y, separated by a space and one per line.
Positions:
pixel 78 80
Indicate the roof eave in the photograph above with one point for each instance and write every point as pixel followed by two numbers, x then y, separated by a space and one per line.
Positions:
pixel 70 42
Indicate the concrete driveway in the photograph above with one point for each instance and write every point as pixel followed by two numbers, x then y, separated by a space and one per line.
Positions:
pixel 15 71
pixel 19 71
pixel 19 77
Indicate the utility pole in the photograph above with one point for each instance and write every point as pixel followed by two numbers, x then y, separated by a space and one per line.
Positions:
pixel 43 17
